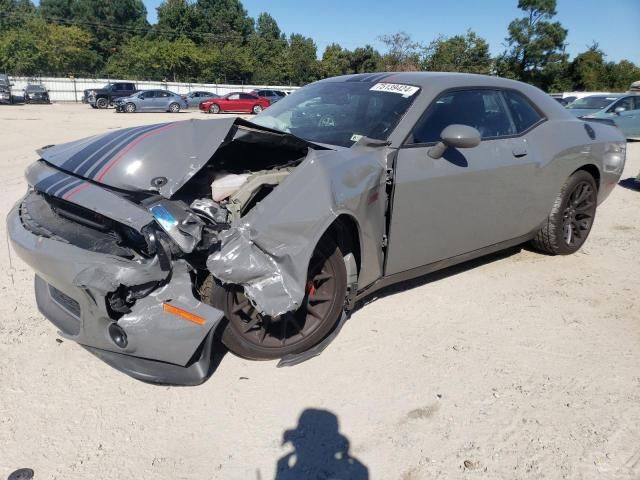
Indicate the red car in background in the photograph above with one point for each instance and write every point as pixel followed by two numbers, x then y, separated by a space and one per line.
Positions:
pixel 235 102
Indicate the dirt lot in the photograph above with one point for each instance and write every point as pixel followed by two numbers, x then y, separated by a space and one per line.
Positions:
pixel 517 366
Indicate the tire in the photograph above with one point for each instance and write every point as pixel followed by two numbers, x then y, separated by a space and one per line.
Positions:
pixel 571 218
pixel 214 108
pixel 257 109
pixel 174 107
pixel 102 102
pixel 130 107
pixel 270 338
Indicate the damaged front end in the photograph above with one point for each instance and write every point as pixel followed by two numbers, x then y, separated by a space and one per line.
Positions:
pixel 122 229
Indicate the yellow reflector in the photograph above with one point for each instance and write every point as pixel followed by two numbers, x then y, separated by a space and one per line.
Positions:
pixel 192 317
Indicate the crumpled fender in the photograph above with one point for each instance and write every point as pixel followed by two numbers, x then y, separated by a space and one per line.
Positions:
pixel 269 253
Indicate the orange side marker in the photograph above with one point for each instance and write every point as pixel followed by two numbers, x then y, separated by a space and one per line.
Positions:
pixel 192 317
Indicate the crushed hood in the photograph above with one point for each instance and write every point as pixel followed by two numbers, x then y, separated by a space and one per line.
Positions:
pixel 154 158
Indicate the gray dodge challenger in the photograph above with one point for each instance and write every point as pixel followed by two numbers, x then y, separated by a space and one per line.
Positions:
pixel 152 243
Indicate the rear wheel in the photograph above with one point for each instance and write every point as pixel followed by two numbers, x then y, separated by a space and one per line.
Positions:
pixel 174 108
pixel 571 218
pixel 102 102
pixel 214 108
pixel 256 109
pixel 130 107
pixel 251 335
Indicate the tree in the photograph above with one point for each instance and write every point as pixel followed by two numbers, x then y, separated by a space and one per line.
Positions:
pixel 365 60
pixel 222 21
pixel 588 70
pixel 301 63
pixel 55 9
pixel 15 13
pixel 621 75
pixel 534 42
pixel 462 53
pixel 176 19
pixel 173 60
pixel 268 47
pixel 403 54
pixel 42 47
pixel 335 61
pixel 112 23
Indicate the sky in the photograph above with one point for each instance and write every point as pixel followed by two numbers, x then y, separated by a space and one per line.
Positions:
pixel 613 24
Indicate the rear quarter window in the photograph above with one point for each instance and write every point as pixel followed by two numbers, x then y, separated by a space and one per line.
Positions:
pixel 523 112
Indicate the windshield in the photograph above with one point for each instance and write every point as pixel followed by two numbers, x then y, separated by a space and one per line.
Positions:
pixel 340 113
pixel 592 103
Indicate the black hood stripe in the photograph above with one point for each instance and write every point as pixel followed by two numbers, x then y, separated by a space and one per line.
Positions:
pixel 67 187
pixel 45 183
pixel 95 168
pixel 114 145
pixel 81 155
pixel 95 147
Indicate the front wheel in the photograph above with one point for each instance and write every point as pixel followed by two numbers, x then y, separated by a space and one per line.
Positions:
pixel 571 218
pixel 102 102
pixel 174 108
pixel 130 108
pixel 256 109
pixel 214 108
pixel 251 335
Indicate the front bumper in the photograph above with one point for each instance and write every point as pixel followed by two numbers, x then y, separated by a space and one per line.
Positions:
pixel 71 288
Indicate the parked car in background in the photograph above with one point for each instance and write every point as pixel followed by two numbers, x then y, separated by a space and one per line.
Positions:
pixel 272 95
pixel 622 109
pixel 152 101
pixel 5 89
pixel 35 93
pixel 239 102
pixel 150 242
pixel 194 98
pixel 106 96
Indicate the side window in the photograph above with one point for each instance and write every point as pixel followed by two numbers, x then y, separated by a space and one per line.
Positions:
pixel 235 96
pixel 523 113
pixel 130 86
pixel 246 96
pixel 163 94
pixel 147 95
pixel 626 103
pixel 481 109
pixel 636 99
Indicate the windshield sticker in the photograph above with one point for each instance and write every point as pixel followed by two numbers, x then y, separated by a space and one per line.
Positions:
pixel 355 137
pixel 404 90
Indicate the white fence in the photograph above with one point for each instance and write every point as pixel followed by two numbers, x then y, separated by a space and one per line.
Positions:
pixel 71 89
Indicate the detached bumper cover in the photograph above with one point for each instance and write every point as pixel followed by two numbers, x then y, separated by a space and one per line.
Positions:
pixel 71 286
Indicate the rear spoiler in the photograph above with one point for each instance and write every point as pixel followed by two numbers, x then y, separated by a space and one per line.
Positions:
pixel 606 121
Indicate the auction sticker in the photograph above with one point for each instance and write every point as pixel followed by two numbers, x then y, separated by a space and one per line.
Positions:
pixel 404 90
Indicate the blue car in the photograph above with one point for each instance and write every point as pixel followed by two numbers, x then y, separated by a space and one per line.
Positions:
pixel 152 101
pixel 622 109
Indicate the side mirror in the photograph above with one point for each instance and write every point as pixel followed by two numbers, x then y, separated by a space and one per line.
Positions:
pixel 455 136
pixel 619 110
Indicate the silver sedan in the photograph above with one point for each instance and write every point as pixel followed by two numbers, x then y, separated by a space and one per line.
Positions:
pixel 152 101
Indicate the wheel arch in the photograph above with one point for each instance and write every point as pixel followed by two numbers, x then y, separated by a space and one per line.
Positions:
pixel 345 231
pixel 592 170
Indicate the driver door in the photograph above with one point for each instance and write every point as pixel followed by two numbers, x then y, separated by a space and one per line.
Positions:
pixel 627 120
pixel 468 199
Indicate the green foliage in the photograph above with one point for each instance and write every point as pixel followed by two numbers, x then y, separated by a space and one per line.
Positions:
pixel 467 53
pixel 217 41
pixel 535 43
pixel 44 47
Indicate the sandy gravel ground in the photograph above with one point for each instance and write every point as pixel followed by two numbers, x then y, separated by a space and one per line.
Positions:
pixel 520 366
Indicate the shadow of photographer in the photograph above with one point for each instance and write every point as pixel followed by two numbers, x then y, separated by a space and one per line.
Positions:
pixel 320 451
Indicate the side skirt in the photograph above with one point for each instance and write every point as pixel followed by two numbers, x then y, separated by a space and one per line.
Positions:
pixel 441 264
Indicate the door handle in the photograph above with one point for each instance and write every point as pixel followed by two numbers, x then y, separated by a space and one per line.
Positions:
pixel 519 152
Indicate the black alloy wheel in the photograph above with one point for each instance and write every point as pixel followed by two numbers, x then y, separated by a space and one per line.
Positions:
pixel 571 218
pixel 579 213
pixel 252 335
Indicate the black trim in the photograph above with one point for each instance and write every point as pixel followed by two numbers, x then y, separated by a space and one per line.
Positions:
pixel 386 281
pixel 500 90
